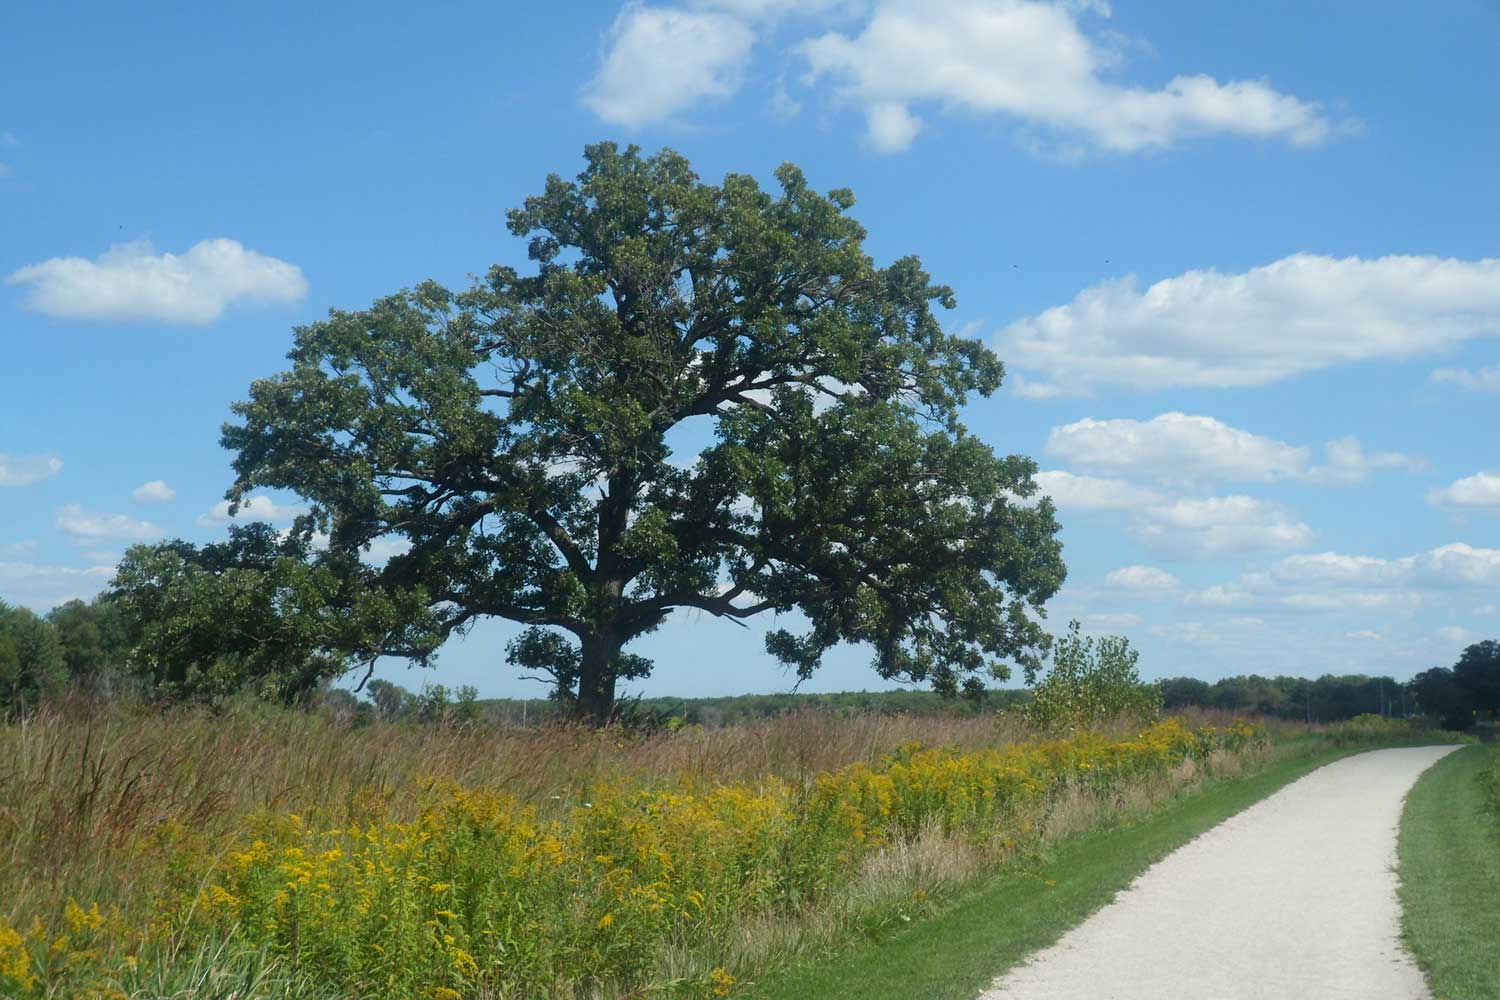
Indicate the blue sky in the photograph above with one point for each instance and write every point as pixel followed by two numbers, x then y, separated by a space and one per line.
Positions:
pixel 1240 262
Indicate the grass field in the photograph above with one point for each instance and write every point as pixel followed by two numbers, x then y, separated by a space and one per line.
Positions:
pixel 1450 874
pixel 261 853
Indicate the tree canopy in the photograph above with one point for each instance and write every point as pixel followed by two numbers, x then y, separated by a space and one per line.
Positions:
pixel 704 396
pixel 1465 691
pixel 260 610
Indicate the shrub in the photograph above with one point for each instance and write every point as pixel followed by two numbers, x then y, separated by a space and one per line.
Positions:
pixel 1091 682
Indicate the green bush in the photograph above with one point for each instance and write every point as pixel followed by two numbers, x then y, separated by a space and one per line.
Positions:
pixel 1091 682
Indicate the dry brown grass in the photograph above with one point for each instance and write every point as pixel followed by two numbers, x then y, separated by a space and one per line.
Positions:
pixel 86 788
pixel 97 798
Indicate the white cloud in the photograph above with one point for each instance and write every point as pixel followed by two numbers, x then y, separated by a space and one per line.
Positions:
pixel 1483 379
pixel 1142 579
pixel 1207 634
pixel 1333 581
pixel 1105 621
pixel 1479 492
pixel 1346 461
pixel 1175 446
pixel 1455 634
pixel 24 549
pixel 1366 634
pixel 156 491
pixel 257 507
pixel 1337 569
pixel 662 61
pixel 1032 62
pixel 44 587
pixel 25 470
pixel 1218 596
pixel 770 10
pixel 132 282
pixel 1299 314
pixel 1073 492
pixel 1255 590
pixel 1350 600
pixel 6 170
pixel 1204 528
pixel 92 526
pixel 1455 565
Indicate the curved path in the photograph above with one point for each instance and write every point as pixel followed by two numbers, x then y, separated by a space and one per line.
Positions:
pixel 1294 897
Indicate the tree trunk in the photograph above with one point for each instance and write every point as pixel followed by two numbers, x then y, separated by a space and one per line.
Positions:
pixel 596 679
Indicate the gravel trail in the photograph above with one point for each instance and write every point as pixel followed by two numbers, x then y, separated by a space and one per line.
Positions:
pixel 1294 897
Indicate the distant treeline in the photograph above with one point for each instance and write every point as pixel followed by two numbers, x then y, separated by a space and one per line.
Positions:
pixel 1330 698
pixel 86 648
pixel 1456 697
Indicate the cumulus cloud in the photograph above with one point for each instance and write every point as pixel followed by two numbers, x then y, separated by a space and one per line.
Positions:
pixel 256 507
pixel 131 281
pixel 1479 492
pixel 1209 527
pixel 1456 634
pixel 26 470
pixel 1338 582
pixel 1299 314
pixel 84 526
pixel 1032 62
pixel 1107 620
pixel 1177 526
pixel 1346 461
pixel 1454 565
pixel 1481 380
pixel 1074 492
pixel 156 491
pixel 1205 633
pixel 1148 580
pixel 1355 600
pixel 662 61
pixel 1176 447
pixel 1253 590
pixel 42 588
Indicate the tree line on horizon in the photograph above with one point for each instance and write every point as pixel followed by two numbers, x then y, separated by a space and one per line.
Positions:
pixel 84 648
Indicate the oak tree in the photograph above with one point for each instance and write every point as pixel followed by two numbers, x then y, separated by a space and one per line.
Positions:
pixel 699 396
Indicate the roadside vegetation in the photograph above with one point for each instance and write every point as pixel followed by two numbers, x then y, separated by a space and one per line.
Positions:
pixel 258 851
pixel 1450 874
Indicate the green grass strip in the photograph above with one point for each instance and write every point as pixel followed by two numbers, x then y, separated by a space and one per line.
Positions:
pixel 956 954
pixel 1450 878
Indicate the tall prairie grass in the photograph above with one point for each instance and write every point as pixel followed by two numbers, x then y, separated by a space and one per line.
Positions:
pixel 285 852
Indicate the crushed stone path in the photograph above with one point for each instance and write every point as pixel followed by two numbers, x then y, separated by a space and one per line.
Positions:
pixel 1293 897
